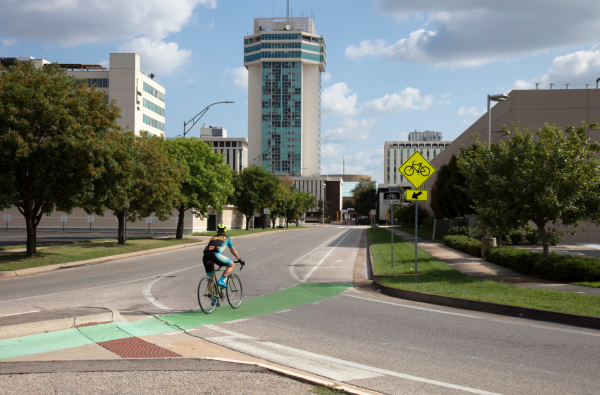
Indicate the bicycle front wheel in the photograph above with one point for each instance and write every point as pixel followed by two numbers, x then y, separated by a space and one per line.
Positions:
pixel 234 291
pixel 425 171
pixel 206 294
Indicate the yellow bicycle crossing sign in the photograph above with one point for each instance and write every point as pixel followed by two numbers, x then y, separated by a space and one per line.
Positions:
pixel 417 169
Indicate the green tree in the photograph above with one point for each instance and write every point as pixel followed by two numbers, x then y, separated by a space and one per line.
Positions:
pixel 365 196
pixel 253 188
pixel 283 204
pixel 304 201
pixel 151 185
pixel 450 196
pixel 348 204
pixel 207 182
pixel 52 139
pixel 546 176
pixel 323 211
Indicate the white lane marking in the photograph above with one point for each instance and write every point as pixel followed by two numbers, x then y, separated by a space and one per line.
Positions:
pixel 283 311
pixel 307 254
pixel 334 368
pixel 101 286
pixel 25 312
pixel 235 321
pixel 228 332
pixel 412 307
pixel 252 248
pixel 311 271
pixel 152 299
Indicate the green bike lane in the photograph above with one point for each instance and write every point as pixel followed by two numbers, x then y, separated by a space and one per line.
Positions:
pixel 296 296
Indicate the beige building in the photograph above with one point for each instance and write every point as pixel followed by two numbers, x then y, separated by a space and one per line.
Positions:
pixel 141 99
pixel 563 107
pixel 235 149
pixel 285 58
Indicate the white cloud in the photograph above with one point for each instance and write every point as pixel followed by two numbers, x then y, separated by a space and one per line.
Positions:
pixel 326 76
pixel 474 32
pixel 408 99
pixel 9 42
pixel 338 100
pixel 240 76
pixel 469 114
pixel 577 68
pixel 331 150
pixel 403 136
pixel 363 162
pixel 72 22
pixel 104 63
pixel 444 99
pixel 211 24
pixel 157 56
pixel 350 129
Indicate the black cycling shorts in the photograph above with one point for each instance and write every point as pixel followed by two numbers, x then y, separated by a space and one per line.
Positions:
pixel 210 259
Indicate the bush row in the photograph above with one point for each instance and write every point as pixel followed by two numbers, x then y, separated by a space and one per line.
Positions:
pixel 556 267
pixel 464 244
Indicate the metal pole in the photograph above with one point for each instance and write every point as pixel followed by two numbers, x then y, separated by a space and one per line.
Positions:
pixel 392 232
pixel 489 122
pixel 416 223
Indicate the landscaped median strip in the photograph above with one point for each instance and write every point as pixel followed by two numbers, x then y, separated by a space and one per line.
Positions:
pixel 299 295
pixel 439 283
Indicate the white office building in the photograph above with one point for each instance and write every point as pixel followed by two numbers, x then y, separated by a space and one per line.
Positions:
pixel 235 149
pixel 428 143
pixel 141 99
pixel 285 58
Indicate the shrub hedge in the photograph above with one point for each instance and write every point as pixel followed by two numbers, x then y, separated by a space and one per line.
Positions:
pixel 464 244
pixel 556 267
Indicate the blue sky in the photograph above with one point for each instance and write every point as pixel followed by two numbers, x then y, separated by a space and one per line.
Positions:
pixel 392 66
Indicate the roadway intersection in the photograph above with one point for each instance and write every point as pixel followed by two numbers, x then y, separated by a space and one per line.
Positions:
pixel 302 311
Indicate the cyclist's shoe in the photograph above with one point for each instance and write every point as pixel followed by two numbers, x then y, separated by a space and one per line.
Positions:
pixel 215 301
pixel 222 283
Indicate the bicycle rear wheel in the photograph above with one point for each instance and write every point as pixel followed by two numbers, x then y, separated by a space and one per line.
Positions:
pixel 234 291
pixel 206 294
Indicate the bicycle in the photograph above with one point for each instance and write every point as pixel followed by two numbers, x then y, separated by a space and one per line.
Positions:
pixel 422 170
pixel 210 294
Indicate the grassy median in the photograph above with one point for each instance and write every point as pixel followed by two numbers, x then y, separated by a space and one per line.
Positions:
pixel 73 253
pixel 422 233
pixel 437 277
pixel 241 232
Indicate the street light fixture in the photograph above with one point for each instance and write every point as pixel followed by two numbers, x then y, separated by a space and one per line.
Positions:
pixel 199 115
pixel 491 98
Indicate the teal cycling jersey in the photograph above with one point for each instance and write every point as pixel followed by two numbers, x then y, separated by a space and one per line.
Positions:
pixel 217 244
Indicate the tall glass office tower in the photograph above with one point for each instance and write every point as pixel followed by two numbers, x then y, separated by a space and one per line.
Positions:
pixel 285 58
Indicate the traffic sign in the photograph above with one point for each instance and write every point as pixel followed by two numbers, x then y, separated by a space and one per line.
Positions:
pixel 417 169
pixel 387 215
pixel 7 217
pixel 266 211
pixel 391 198
pixel 416 194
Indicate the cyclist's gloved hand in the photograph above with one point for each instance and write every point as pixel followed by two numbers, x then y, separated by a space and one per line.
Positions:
pixel 242 262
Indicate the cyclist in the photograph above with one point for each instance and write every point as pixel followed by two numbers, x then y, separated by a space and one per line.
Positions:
pixel 213 253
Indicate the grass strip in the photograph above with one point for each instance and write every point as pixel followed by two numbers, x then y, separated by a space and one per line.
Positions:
pixel 422 233
pixel 51 256
pixel 60 243
pixel 588 284
pixel 437 277
pixel 241 232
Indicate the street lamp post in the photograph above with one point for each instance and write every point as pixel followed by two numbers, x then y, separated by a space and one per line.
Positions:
pixel 491 98
pixel 193 121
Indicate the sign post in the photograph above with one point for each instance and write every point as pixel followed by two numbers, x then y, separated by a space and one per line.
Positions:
pixel 63 219
pixel 90 220
pixel 7 220
pixel 391 198
pixel 148 221
pixel 417 170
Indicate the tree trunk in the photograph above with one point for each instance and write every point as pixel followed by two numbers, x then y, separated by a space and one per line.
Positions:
pixel 31 233
pixel 248 222
pixel 180 227
pixel 544 235
pixel 121 232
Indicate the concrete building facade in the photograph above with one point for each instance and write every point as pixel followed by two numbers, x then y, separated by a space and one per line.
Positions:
pixel 562 107
pixel 285 59
pixel 235 149
pixel 141 99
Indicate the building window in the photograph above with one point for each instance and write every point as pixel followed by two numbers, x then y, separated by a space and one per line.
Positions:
pixel 227 156
pixel 99 82
pixel 221 144
pixel 153 107
pixel 215 143
pixel 154 123
pixel 240 162
pixel 154 92
pixel 234 143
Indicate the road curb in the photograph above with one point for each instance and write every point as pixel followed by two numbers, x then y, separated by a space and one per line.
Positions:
pixel 301 377
pixel 49 268
pixel 490 307
pixel 584 321
pixel 34 328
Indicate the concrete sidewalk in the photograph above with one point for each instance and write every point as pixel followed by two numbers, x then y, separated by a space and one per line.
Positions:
pixel 477 267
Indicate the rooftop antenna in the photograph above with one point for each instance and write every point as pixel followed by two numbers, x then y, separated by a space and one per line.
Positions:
pixel 536 85
pixel 287 11
pixel 551 86
pixel 567 85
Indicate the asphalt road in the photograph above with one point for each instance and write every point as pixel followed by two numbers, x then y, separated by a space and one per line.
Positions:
pixel 379 343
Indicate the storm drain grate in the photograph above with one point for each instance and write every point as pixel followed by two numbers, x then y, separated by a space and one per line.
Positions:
pixel 123 344
pixel 134 347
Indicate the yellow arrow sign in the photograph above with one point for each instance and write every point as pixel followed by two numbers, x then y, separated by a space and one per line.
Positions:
pixel 387 215
pixel 417 169
pixel 416 194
